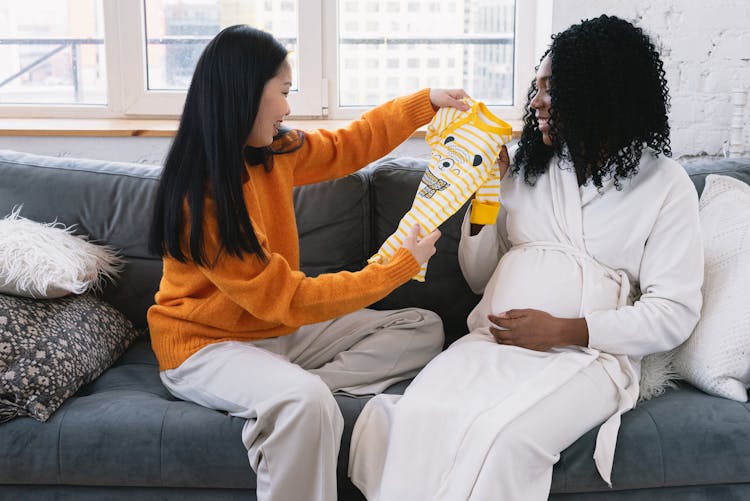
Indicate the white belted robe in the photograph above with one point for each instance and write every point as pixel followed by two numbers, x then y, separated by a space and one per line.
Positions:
pixel 629 261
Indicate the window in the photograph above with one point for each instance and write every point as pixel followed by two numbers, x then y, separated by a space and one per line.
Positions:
pixel 419 42
pixel 135 58
pixel 165 38
pixel 178 30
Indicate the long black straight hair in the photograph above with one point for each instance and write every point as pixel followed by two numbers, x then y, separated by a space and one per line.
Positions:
pixel 209 150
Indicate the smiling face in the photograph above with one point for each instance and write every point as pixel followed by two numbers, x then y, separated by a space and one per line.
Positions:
pixel 272 109
pixel 542 100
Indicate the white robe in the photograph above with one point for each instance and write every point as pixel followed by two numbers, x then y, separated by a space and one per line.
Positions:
pixel 630 261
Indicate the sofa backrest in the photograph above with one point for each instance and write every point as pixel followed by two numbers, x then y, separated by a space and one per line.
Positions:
pixel 698 169
pixel 341 223
pixel 110 202
pixel 393 183
pixel 333 223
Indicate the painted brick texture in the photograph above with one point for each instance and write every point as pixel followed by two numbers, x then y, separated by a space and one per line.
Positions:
pixel 706 50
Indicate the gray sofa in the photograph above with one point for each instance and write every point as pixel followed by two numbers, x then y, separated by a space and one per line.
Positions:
pixel 124 436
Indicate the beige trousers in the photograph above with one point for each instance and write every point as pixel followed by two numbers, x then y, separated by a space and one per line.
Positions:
pixel 282 386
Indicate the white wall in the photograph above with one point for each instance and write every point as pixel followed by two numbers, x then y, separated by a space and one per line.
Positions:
pixel 148 150
pixel 705 46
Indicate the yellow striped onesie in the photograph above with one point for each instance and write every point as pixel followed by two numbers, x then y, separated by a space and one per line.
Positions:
pixel 465 146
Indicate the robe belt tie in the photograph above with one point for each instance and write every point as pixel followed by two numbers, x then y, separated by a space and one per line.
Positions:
pixel 613 365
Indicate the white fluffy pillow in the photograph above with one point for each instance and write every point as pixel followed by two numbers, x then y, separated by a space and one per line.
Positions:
pixel 716 357
pixel 46 261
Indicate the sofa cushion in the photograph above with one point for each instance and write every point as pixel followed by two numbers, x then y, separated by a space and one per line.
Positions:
pixel 681 438
pixel 333 222
pixel 50 348
pixel 106 200
pixel 125 429
pixel 394 182
pixel 111 202
pixel 698 169
pixel 715 358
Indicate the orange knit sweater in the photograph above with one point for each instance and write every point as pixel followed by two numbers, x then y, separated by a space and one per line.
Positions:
pixel 245 299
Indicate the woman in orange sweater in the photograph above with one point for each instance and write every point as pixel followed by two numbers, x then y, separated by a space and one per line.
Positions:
pixel 236 325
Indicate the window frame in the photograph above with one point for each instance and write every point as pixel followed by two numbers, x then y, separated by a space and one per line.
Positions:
pixel 528 13
pixel 125 50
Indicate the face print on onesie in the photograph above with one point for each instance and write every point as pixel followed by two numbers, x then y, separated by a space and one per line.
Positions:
pixel 446 161
pixel 453 154
pixel 462 167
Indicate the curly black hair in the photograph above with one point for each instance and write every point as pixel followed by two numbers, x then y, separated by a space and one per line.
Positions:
pixel 609 101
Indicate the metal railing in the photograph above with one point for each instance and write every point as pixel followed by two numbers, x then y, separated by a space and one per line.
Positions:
pixel 60 44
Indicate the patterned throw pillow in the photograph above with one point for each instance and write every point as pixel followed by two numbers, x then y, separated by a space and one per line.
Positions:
pixel 49 348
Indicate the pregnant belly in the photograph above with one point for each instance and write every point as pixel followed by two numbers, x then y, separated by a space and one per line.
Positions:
pixel 549 280
pixel 545 280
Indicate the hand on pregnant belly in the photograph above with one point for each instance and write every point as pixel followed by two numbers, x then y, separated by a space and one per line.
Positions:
pixel 537 330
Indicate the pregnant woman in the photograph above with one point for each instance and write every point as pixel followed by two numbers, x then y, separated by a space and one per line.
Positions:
pixel 594 262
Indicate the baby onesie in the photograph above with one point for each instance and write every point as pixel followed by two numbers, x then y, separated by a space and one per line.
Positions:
pixel 465 146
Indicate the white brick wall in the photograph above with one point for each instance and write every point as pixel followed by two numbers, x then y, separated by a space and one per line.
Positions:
pixel 706 51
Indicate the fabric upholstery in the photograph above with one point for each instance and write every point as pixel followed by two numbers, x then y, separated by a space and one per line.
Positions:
pixel 338 237
pixel 126 429
pixel 683 437
pixel 698 169
pixel 108 201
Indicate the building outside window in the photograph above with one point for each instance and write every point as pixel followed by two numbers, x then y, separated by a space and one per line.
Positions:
pixel 436 44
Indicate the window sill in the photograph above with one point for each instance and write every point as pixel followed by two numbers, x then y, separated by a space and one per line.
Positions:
pixel 114 127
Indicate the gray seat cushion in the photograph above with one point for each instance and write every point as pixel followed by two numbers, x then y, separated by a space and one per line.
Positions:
pixel 125 429
pixel 683 437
